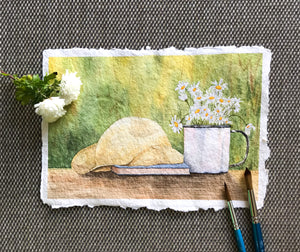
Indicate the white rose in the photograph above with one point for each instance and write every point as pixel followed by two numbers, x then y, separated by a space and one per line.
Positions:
pixel 70 87
pixel 51 109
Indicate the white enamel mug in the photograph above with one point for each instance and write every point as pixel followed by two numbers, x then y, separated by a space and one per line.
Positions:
pixel 206 148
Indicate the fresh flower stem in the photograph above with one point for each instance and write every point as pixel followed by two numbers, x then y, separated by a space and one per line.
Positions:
pixel 9 75
pixel 48 95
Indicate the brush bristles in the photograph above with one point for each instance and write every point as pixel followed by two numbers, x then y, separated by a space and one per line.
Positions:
pixel 228 197
pixel 248 179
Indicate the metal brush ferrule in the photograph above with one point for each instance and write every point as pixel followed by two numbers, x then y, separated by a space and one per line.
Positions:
pixel 253 208
pixel 233 216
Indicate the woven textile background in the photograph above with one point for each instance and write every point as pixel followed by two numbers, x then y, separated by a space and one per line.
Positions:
pixel 29 27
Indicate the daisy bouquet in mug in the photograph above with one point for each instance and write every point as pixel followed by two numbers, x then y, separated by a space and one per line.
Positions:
pixel 209 107
pixel 49 95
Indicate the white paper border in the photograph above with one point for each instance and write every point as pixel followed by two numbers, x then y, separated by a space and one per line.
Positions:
pixel 159 204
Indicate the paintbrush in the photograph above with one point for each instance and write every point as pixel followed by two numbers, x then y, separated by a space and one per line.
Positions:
pixel 237 231
pixel 257 235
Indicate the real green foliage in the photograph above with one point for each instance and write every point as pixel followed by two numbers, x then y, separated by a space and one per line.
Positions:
pixel 31 89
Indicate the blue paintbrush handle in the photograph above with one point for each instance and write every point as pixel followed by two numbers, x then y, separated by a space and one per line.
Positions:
pixel 240 241
pixel 258 239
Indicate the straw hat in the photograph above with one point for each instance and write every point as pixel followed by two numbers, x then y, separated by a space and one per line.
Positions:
pixel 130 141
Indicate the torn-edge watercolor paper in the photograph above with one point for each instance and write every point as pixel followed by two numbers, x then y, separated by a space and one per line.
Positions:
pixel 158 128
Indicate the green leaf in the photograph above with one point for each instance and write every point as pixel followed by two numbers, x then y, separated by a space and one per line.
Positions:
pixel 30 89
pixel 4 74
pixel 35 78
pixel 49 77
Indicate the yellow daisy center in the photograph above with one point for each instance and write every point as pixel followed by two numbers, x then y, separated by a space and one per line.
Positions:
pixel 183 87
pixel 220 118
pixel 211 117
pixel 206 114
pixel 199 98
pixel 221 100
pixel 197 111
pixel 218 111
pixel 248 126
pixel 176 124
pixel 218 87
pixel 211 97
pixel 228 101
pixel 194 89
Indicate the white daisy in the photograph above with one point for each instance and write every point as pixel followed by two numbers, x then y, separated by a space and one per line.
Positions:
pixel 206 113
pixel 248 128
pixel 176 124
pixel 70 87
pixel 194 88
pixel 188 119
pixel 236 104
pixel 182 96
pixel 182 85
pixel 221 100
pixel 211 119
pixel 51 109
pixel 218 110
pixel 218 87
pixel 211 97
pixel 220 119
pixel 198 96
pixel 226 121
pixel 195 111
pixel 205 109
pixel 228 102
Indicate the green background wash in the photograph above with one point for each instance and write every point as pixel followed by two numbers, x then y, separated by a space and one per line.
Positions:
pixel 144 86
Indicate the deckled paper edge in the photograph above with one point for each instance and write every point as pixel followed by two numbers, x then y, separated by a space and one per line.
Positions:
pixel 158 204
pixel 264 151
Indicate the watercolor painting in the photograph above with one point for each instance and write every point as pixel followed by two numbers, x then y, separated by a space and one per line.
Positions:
pixel 137 115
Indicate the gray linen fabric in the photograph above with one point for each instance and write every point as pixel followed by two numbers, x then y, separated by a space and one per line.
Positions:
pixel 29 27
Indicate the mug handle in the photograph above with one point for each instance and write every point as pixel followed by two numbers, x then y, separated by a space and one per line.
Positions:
pixel 247 149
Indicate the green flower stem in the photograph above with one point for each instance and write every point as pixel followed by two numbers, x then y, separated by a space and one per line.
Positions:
pixel 187 102
pixel 6 74
pixel 39 91
pixel 183 118
pixel 31 89
pixel 239 118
